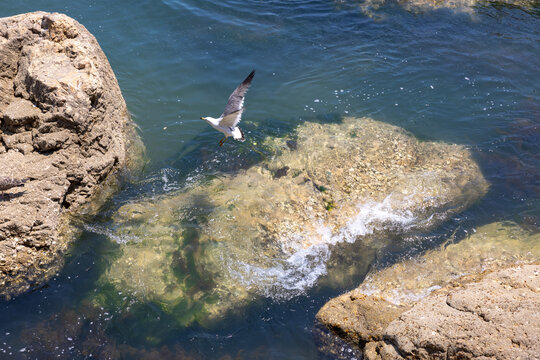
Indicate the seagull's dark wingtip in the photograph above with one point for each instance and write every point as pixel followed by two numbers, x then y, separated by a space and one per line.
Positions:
pixel 249 77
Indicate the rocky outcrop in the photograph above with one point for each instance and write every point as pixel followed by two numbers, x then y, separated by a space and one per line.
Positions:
pixel 430 308
pixel 491 315
pixel 65 126
pixel 274 229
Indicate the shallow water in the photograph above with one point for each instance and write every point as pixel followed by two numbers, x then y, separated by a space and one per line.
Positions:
pixel 469 78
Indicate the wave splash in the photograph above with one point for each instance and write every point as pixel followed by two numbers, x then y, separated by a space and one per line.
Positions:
pixel 292 276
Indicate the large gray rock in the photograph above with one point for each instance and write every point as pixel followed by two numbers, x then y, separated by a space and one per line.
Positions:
pixel 442 304
pixel 64 124
pixel 494 315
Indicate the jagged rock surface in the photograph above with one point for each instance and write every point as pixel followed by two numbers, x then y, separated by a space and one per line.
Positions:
pixel 395 312
pixel 64 124
pixel 492 316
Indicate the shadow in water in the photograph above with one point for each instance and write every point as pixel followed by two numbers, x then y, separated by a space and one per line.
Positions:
pixel 511 164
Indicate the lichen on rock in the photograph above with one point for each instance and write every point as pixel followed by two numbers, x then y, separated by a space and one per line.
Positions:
pixel 269 231
pixel 64 125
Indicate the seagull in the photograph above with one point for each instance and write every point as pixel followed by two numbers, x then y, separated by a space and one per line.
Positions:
pixel 232 114
pixel 7 183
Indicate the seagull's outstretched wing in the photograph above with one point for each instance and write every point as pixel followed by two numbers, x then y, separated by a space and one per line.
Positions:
pixel 234 108
pixel 7 183
pixel 232 119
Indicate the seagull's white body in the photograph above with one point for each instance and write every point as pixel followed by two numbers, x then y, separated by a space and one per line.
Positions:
pixel 235 132
pixel 228 121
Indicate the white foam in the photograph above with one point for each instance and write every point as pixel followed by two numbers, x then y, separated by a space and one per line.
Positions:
pixel 398 296
pixel 288 277
pixel 166 175
pixel 119 239
pixel 300 270
pixel 378 216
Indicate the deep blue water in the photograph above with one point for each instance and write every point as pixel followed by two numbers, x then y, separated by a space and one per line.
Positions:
pixel 471 79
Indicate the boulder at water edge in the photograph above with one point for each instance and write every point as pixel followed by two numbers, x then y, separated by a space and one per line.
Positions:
pixel 450 303
pixel 64 125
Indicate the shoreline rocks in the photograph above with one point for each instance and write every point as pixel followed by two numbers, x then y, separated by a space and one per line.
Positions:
pixel 492 314
pixel 64 125
pixel 408 310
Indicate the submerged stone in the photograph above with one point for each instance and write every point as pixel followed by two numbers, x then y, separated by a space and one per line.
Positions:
pixel 82 333
pixel 491 246
pixel 370 6
pixel 216 245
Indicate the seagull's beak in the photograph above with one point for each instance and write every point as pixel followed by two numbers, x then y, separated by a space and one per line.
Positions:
pixel 202 118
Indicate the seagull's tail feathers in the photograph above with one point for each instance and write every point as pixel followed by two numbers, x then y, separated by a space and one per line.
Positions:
pixel 238 134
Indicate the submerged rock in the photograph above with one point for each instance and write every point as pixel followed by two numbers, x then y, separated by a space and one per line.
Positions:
pixel 81 333
pixel 489 247
pixel 370 6
pixel 266 231
pixel 387 296
pixel 64 125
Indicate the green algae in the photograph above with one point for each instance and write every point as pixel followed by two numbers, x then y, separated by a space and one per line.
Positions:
pixel 330 205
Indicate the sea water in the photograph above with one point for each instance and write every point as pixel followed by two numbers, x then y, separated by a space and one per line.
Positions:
pixel 467 77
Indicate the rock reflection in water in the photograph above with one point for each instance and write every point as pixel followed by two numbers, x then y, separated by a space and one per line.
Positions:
pixel 268 231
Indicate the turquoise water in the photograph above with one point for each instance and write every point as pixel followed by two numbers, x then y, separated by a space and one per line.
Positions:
pixel 466 78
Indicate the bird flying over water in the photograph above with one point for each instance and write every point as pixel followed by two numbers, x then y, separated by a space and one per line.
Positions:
pixel 228 121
